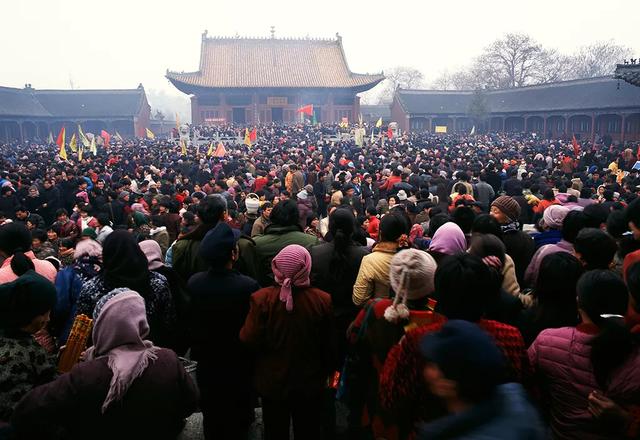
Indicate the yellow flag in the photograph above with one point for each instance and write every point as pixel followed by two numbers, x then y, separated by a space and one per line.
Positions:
pixel 93 147
pixel 150 134
pixel 247 137
pixel 177 122
pixel 73 144
pixel 210 150
pixel 83 138
pixel 379 123
pixel 183 144
pixel 118 136
pixel 80 153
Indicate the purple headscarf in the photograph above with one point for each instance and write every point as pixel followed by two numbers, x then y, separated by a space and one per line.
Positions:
pixel 448 239
pixel 291 267
pixel 119 331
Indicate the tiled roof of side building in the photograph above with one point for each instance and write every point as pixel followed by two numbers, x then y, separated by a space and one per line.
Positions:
pixel 20 103
pixel 272 62
pixel 92 103
pixel 586 94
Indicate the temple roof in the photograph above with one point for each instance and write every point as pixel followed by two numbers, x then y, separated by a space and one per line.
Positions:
pixel 585 94
pixel 272 63
pixel 629 73
pixel 29 102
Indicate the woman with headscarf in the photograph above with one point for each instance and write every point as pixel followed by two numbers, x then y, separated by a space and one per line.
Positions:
pixel 25 304
pixel 290 327
pixel 448 240
pixel 125 265
pixel 87 264
pixel 127 388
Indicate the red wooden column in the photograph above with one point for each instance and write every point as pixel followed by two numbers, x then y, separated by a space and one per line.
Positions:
pixel 623 122
pixel 593 127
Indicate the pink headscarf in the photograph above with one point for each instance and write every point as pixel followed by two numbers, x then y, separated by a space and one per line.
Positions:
pixel 291 267
pixel 448 239
pixel 119 330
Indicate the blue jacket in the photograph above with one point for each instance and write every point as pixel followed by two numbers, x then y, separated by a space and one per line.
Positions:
pixel 506 416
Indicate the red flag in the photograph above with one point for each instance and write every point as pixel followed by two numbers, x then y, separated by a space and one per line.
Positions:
pixel 638 153
pixel 106 136
pixel 307 110
pixel 390 133
pixel 576 145
pixel 60 140
pixel 253 136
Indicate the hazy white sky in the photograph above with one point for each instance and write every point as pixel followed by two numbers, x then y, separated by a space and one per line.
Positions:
pixel 120 43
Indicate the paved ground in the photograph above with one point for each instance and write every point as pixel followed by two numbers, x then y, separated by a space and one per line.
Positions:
pixel 193 430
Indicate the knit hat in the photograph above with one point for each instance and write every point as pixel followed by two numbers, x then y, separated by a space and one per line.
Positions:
pixel 89 232
pixel 466 354
pixel 23 299
pixel 554 215
pixel 218 243
pixel 309 189
pixel 402 195
pixel 411 276
pixel 153 252
pixel 123 194
pixel 252 203
pixel 291 267
pixel 508 206
pixel 302 195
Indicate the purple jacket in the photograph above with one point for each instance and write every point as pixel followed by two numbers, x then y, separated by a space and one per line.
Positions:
pixel 304 212
pixel 560 359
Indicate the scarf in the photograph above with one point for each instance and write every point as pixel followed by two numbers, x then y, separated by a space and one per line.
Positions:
pixel 510 227
pixel 448 239
pixel 119 332
pixel 291 267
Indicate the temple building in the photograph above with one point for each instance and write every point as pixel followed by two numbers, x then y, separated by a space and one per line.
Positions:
pixel 585 108
pixel 251 80
pixel 31 114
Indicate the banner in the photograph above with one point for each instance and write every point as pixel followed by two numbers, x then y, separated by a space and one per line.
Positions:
pixel 441 128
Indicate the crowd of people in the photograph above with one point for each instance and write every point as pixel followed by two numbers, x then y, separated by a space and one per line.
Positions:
pixel 437 286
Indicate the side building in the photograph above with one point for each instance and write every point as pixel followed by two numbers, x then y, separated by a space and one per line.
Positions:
pixel 584 108
pixel 251 80
pixel 31 114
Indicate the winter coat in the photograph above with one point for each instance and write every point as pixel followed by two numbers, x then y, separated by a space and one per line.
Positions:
pixel 507 415
pixel 155 405
pixel 259 226
pixel 294 349
pixel 373 277
pixel 560 360
pixel 304 212
pixel 267 246
pixel 42 267
pixel 25 364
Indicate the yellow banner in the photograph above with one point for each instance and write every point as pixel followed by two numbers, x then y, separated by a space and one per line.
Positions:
pixel 441 128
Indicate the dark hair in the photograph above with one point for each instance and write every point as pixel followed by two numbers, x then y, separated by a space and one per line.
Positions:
pixel 595 215
pixel 371 210
pixel 464 216
pixel 209 211
pixel 617 223
pixel 601 293
pixel 485 245
pixel 633 212
pixel 555 291
pixel 20 264
pixel 435 222
pixel 572 224
pixel 486 224
pixel 103 219
pixel 549 194
pixel 463 285
pixel 14 237
pixel 285 213
pixel 61 211
pixel 392 226
pixel 596 248
pixel 341 227
pixel 39 234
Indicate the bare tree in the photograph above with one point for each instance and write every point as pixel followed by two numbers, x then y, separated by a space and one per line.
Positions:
pixel 401 76
pixel 554 67
pixel 598 59
pixel 512 61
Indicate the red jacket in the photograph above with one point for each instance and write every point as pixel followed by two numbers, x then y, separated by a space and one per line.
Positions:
pixel 374 227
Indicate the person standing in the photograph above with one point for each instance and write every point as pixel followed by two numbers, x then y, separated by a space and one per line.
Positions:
pixel 290 328
pixel 219 303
